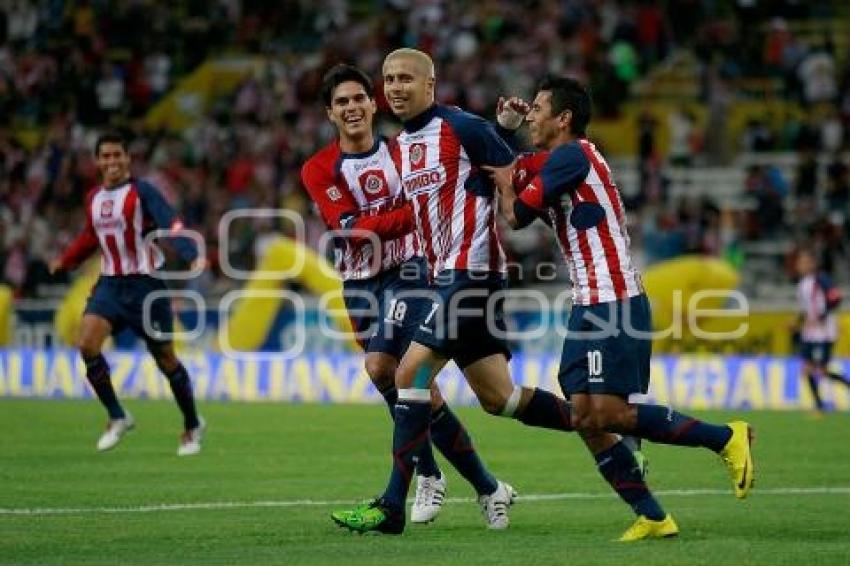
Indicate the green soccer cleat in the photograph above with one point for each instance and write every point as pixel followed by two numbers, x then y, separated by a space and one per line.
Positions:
pixel 344 514
pixel 374 517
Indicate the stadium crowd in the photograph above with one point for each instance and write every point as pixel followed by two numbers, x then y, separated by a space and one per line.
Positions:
pixel 68 70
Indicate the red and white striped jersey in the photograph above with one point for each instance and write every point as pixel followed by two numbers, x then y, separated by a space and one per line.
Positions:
pixel 573 185
pixel 117 221
pixel 362 192
pixel 440 154
pixel 818 297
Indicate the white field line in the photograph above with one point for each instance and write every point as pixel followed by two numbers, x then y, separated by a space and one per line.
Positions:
pixel 213 505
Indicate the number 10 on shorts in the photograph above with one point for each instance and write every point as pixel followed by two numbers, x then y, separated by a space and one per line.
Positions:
pixel 594 365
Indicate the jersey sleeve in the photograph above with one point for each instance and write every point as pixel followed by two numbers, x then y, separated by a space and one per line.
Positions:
pixel 528 166
pixel 84 245
pixel 562 173
pixel 340 212
pixel 479 138
pixel 164 217
pixel 335 203
pixel 387 225
pixel 510 137
pixel 831 293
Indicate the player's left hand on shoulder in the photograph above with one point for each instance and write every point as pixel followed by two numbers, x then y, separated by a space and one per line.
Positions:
pixel 502 176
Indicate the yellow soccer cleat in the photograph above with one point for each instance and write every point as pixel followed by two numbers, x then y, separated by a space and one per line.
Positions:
pixel 647 528
pixel 738 457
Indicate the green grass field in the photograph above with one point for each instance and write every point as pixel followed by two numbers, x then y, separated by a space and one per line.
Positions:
pixel 269 475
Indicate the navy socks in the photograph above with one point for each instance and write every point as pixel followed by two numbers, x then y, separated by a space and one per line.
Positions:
pixel 620 469
pixel 181 387
pixel 97 372
pixel 412 416
pixel 664 425
pixel 546 410
pixel 450 436
pixel 426 464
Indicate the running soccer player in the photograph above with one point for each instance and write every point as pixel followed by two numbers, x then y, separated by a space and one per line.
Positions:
pixel 607 349
pixel 818 298
pixel 441 152
pixel 119 214
pixel 355 184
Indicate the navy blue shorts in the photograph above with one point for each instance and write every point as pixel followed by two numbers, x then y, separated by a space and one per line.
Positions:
pixel 818 353
pixel 385 310
pixel 465 321
pixel 608 348
pixel 120 300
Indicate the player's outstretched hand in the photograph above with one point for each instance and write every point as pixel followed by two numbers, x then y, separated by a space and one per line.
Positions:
pixel 54 266
pixel 510 112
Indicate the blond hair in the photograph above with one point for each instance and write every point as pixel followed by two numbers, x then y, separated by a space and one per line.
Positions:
pixel 422 59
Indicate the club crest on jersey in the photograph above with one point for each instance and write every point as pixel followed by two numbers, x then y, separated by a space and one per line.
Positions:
pixel 374 183
pixel 334 193
pixel 418 156
pixel 106 208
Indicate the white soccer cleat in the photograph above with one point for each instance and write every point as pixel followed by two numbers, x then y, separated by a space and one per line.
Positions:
pixel 494 507
pixel 190 440
pixel 430 494
pixel 115 429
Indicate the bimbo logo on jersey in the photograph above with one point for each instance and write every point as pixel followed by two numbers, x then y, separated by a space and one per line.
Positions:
pixel 374 183
pixel 422 180
pixel 106 208
pixel 418 156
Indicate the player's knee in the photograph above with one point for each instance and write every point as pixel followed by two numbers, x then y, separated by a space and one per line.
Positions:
pixel 381 373
pixel 493 403
pixel 585 423
pixel 492 407
pixel 588 421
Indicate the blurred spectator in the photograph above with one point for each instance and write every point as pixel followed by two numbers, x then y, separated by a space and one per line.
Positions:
pixel 67 69
pixel 768 189
pixel 831 132
pixel 757 137
pixel 817 75
pixel 663 237
pixel 838 186
pixel 682 126
pixel 806 183
pixel 110 90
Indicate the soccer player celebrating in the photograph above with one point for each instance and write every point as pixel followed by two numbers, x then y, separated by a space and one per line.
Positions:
pixel 608 346
pixel 119 214
pixel 356 186
pixel 440 155
pixel 818 298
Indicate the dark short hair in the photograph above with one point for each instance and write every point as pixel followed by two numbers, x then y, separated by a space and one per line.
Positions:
pixel 569 94
pixel 342 73
pixel 110 137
